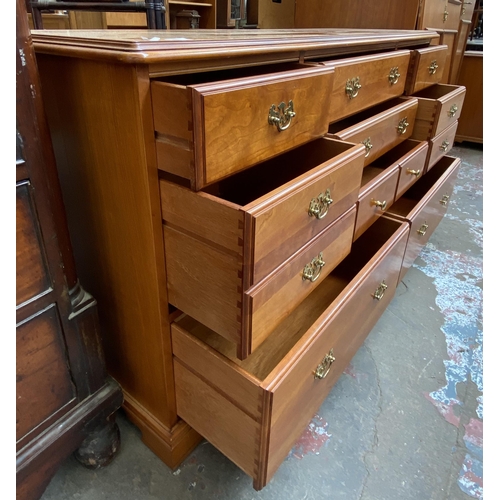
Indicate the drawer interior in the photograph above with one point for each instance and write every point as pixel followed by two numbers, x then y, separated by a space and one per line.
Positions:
pixel 269 354
pixel 395 154
pixel 364 115
pixel 249 185
pixel 413 196
pixel 228 74
pixel 435 91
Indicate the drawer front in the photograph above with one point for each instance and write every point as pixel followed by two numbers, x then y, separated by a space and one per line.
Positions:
pixel 255 422
pixel 362 82
pixel 426 68
pixel 374 201
pixel 441 144
pixel 384 131
pixel 239 124
pixel 412 167
pixel 438 107
pixel 430 210
pixel 271 300
pixel 282 222
pixel 449 109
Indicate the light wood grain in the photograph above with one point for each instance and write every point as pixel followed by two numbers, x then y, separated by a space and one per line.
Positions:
pixel 380 125
pixel 441 145
pixel 373 72
pixel 419 76
pixel 470 126
pixel 382 189
pixel 434 105
pixel 421 206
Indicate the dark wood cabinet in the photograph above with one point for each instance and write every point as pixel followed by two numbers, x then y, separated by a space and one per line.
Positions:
pixel 64 399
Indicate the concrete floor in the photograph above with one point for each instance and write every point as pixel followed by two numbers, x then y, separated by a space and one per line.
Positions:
pixel 405 419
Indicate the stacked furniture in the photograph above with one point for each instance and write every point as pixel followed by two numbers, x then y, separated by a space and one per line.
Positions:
pixel 65 401
pixel 244 206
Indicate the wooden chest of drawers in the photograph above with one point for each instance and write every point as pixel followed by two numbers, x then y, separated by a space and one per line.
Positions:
pixel 245 205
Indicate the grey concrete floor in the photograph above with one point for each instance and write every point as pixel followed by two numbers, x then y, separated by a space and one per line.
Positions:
pixel 405 419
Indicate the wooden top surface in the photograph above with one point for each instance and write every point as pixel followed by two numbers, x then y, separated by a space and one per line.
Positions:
pixel 150 46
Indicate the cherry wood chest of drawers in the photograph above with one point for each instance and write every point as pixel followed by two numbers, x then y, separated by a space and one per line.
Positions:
pixel 245 205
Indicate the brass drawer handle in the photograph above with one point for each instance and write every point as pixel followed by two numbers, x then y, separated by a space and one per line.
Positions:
pixel 368 145
pixel 444 145
pixel 394 75
pixel 453 111
pixel 319 206
pixel 403 125
pixel 433 67
pixel 381 204
pixel 379 292
pixel 445 15
pixel 312 270
pixel 324 367
pixel 281 116
pixel 444 200
pixel 410 171
pixel 423 229
pixel 352 87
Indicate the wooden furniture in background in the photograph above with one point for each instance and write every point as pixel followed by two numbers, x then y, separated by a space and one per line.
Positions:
pixel 243 207
pixel 153 9
pixel 470 127
pixel 65 402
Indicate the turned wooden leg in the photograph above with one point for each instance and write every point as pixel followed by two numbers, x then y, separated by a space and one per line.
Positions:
pixel 101 444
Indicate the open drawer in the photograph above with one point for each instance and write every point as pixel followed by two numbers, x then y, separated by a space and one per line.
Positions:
pixel 238 246
pixel 424 205
pixel 211 125
pixel 379 128
pixel 439 107
pixel 254 410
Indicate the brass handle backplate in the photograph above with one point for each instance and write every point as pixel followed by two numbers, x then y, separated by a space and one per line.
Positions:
pixel 410 171
pixel 423 229
pixel 281 116
pixel 368 145
pixel 394 75
pixel 319 206
pixel 453 111
pixel 312 270
pixel 433 67
pixel 444 145
pixel 381 204
pixel 403 125
pixel 324 367
pixel 445 15
pixel 444 200
pixel 352 87
pixel 379 292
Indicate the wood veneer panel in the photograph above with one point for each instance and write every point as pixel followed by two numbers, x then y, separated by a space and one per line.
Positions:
pixel 106 162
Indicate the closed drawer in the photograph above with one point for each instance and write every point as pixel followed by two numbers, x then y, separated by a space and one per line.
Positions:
pixel 376 195
pixel 439 107
pixel 426 68
pixel 209 126
pixel 362 82
pixel 254 410
pixel 441 144
pixel 221 245
pixel 380 128
pixel 424 205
